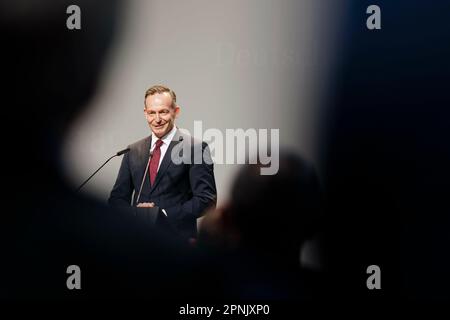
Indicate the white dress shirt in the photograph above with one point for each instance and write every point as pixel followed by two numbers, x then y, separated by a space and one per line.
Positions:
pixel 166 141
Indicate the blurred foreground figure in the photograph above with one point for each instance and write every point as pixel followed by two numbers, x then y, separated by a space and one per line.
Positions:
pixel 387 155
pixel 259 234
pixel 50 73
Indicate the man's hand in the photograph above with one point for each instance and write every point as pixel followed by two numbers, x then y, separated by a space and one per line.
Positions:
pixel 146 205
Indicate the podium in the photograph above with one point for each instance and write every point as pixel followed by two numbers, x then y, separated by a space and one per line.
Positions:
pixel 149 216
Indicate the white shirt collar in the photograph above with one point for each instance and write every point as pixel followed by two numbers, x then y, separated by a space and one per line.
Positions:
pixel 166 139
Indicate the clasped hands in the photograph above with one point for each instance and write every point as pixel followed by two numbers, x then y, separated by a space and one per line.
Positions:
pixel 146 205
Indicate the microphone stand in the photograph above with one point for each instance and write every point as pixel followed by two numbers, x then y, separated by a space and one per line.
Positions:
pixel 143 178
pixel 116 155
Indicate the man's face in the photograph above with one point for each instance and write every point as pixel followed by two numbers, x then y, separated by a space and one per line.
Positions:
pixel 160 114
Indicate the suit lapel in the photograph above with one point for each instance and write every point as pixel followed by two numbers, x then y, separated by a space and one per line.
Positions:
pixel 166 160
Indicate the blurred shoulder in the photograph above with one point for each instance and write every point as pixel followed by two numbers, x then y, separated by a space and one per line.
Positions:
pixel 137 145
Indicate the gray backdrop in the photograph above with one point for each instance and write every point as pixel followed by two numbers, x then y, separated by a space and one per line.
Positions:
pixel 233 64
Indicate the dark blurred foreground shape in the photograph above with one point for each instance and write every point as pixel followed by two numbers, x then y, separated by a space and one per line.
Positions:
pixel 385 163
pixel 256 238
pixel 50 73
pixel 386 154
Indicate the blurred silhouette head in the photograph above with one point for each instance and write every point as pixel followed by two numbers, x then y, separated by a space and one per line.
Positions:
pixel 270 214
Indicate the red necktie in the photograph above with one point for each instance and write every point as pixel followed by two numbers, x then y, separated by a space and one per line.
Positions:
pixel 154 162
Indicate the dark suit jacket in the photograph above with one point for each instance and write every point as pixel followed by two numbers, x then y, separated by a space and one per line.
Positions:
pixel 183 190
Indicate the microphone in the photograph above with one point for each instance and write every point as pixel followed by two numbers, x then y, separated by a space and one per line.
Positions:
pixel 119 153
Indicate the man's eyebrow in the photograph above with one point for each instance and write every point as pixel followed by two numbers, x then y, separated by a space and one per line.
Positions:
pixel 165 109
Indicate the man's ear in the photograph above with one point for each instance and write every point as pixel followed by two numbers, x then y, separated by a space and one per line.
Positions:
pixel 177 110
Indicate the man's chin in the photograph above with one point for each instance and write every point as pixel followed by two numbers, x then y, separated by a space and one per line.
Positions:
pixel 159 132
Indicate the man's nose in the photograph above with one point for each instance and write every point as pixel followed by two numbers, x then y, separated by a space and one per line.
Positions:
pixel 158 118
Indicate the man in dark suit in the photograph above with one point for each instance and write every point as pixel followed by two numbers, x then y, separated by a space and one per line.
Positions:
pixel 177 193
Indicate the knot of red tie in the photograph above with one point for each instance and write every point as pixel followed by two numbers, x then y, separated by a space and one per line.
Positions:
pixel 158 144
